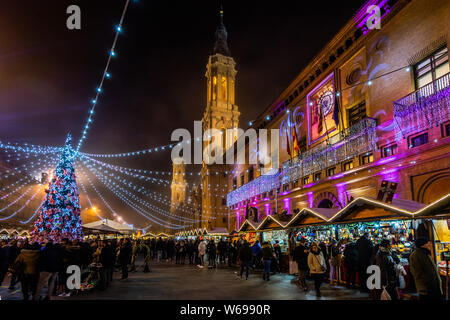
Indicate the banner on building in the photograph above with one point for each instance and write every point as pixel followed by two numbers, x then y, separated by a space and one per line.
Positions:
pixel 320 103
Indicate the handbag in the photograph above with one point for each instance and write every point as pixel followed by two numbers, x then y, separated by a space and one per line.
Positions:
pixel 385 295
pixel 293 267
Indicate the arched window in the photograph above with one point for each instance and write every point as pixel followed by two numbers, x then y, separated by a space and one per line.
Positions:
pixel 214 88
pixel 224 88
pixel 231 95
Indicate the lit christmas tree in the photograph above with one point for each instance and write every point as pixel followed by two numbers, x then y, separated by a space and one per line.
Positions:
pixel 59 216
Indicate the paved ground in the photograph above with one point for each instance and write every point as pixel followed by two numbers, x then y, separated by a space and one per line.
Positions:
pixel 170 281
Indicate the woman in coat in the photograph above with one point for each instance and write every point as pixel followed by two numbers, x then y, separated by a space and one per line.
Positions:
pixel 317 266
pixel 201 252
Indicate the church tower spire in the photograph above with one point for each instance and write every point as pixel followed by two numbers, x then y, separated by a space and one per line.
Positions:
pixel 221 44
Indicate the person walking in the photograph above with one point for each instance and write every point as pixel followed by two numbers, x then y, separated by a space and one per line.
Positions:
pixel 333 253
pixel 301 257
pixel 364 247
pixel 49 263
pixel 201 253
pixel 124 258
pixel 424 271
pixel 256 251
pixel 14 251
pixel 388 271
pixel 351 263
pixel 4 258
pixel 27 269
pixel 317 266
pixel 245 256
pixel 267 255
pixel 212 253
pixel 277 251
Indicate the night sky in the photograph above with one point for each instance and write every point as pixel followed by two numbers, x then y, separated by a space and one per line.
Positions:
pixel 48 74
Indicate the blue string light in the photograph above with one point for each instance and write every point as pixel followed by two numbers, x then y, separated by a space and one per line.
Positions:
pixel 112 53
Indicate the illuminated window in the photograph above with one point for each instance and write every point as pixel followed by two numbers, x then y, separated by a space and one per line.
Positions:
pixel 431 68
pixel 317 176
pixel 231 96
pixel 347 166
pixel 331 171
pixel 356 113
pixel 389 150
pixel 367 158
pixel 306 180
pixel 418 140
pixel 447 129
pixel 214 89
pixel 224 89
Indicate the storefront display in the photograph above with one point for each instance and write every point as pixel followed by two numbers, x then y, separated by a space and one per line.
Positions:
pixel 281 236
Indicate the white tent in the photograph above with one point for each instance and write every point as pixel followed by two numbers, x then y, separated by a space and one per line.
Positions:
pixel 123 228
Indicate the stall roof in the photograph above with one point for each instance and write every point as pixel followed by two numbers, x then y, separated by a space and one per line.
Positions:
pixel 360 209
pixel 218 231
pixel 103 228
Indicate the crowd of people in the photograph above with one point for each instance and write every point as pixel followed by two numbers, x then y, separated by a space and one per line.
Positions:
pixel 37 266
pixel 321 262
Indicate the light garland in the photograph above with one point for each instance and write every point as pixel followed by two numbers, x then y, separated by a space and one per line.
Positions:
pixel 106 74
pixel 20 209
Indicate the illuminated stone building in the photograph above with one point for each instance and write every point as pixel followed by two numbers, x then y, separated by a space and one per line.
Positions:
pixel 373 105
pixel 221 113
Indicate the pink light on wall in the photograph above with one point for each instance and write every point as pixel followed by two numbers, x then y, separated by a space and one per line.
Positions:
pixel 310 199
pixel 267 205
pixel 341 190
pixel 287 205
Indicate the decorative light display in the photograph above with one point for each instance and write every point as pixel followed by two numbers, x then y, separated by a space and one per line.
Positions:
pixel 21 208
pixel 59 216
pixel 423 109
pixel 116 188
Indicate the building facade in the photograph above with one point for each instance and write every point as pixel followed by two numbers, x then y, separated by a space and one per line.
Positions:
pixel 372 106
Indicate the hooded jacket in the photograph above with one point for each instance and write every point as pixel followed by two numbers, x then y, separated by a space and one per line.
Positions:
pixel 26 262
pixel 425 273
pixel 267 253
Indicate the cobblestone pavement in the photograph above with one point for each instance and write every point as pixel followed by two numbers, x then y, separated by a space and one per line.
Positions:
pixel 170 281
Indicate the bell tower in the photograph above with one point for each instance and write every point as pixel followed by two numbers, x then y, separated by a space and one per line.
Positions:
pixel 221 113
pixel 178 184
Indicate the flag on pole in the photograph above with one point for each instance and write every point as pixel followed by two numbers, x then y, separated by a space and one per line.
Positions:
pixel 295 141
pixel 336 110
pixel 288 149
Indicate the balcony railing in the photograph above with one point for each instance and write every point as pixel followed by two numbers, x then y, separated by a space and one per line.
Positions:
pixel 424 108
pixel 356 140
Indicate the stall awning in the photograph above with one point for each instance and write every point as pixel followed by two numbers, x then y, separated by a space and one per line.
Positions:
pixel 360 209
pixel 218 232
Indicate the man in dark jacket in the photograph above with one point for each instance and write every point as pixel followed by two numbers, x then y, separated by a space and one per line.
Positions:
pixel 14 251
pixel 27 270
pixel 211 250
pixel 107 260
pixel 4 258
pixel 388 273
pixel 365 247
pixel 124 257
pixel 301 257
pixel 267 255
pixel 245 255
pixel 49 263
pixel 424 270
pixel 351 263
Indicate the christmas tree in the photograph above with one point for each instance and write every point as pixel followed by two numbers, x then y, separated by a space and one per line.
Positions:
pixel 59 215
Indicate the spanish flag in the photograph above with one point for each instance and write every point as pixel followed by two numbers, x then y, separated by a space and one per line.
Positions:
pixel 288 149
pixel 295 141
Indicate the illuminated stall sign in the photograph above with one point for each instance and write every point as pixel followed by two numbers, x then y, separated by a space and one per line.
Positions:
pixel 320 103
